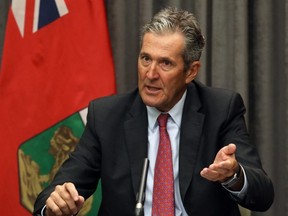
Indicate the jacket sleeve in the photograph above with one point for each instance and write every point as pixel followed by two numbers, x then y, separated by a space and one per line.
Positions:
pixel 84 161
pixel 260 192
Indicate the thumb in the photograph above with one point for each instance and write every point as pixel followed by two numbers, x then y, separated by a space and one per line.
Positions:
pixel 229 149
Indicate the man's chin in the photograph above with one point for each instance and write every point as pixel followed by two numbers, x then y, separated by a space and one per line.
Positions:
pixel 150 102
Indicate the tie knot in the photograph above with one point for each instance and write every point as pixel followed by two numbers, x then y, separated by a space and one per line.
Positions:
pixel 162 119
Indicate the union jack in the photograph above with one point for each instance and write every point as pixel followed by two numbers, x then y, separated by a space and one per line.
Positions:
pixel 45 12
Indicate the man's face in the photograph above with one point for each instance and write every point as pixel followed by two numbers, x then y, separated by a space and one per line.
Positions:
pixel 161 76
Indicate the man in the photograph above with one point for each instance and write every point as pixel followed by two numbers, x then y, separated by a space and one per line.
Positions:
pixel 215 167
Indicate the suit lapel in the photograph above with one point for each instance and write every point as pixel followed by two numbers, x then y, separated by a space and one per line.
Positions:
pixel 191 129
pixel 136 134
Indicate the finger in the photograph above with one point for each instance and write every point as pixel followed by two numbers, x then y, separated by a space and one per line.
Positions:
pixel 57 205
pixel 69 194
pixel 229 166
pixel 52 208
pixel 80 202
pixel 62 194
pixel 223 172
pixel 218 172
pixel 70 187
pixel 209 174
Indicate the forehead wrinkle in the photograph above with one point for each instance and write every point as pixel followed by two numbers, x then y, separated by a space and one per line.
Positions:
pixel 162 46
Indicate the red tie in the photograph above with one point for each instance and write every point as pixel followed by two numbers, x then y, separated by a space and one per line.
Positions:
pixel 163 191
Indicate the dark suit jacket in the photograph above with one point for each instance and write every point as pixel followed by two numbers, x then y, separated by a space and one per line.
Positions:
pixel 114 145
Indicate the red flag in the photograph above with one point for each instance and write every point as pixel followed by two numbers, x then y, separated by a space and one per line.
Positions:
pixel 56 58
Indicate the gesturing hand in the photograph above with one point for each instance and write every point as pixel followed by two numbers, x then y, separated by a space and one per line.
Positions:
pixel 224 165
pixel 64 201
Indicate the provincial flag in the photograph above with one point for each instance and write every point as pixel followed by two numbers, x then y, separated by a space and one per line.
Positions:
pixel 56 58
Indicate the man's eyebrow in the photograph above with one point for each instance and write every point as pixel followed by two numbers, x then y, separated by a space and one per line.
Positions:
pixel 165 59
pixel 144 53
pixel 161 58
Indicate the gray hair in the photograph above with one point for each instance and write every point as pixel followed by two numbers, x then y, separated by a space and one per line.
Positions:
pixel 171 20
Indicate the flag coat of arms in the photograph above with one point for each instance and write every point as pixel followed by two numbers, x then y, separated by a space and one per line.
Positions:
pixel 56 58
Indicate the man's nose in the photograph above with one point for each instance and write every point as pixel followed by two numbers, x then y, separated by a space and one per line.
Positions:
pixel 152 72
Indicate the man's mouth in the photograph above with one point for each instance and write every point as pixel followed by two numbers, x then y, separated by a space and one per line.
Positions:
pixel 152 89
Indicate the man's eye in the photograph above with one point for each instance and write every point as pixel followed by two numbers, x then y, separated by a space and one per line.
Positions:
pixel 145 60
pixel 166 65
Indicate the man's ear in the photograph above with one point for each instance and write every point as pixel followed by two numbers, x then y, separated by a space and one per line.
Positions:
pixel 192 72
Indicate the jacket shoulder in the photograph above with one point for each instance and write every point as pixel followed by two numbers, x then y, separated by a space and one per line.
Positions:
pixel 115 101
pixel 217 99
pixel 205 90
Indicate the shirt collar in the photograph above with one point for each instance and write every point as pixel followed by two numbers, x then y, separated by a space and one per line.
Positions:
pixel 175 113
